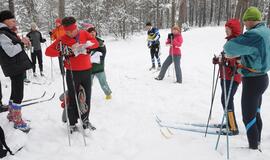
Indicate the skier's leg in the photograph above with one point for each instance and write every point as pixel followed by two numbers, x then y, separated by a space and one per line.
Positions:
pixel 103 83
pixel 253 89
pixel 178 71
pixel 259 120
pixel 152 53
pixel 86 84
pixel 165 66
pixel 72 107
pixel 15 115
pixel 34 61
pixel 17 88
pixel 40 62
pixel 157 56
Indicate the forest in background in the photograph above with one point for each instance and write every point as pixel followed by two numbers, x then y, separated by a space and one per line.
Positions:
pixel 122 18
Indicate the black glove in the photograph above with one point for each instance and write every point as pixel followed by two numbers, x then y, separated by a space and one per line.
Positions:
pixel 50 33
pixel 65 50
pixel 215 60
pixel 170 36
pixel 43 41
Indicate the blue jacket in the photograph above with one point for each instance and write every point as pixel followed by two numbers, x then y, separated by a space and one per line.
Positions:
pixel 153 37
pixel 254 49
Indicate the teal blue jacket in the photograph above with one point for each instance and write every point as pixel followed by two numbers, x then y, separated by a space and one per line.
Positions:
pixel 254 49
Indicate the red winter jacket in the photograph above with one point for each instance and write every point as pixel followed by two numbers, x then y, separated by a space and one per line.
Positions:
pixel 176 44
pixel 82 61
pixel 235 26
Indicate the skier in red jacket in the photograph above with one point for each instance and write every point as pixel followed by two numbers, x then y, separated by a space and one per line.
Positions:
pixel 175 41
pixel 76 45
pixel 233 29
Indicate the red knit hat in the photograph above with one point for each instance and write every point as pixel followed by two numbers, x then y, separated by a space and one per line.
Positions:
pixel 235 26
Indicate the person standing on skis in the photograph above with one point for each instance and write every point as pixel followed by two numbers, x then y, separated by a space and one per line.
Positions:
pixel 74 45
pixel 175 41
pixel 153 44
pixel 36 52
pixel 14 62
pixel 233 29
pixel 253 47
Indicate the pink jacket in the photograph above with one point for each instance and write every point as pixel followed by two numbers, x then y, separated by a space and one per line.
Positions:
pixel 176 44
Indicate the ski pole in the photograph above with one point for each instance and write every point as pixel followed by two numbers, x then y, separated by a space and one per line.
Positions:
pixel 214 87
pixel 64 88
pixel 76 99
pixel 226 99
pixel 51 65
pixel 171 49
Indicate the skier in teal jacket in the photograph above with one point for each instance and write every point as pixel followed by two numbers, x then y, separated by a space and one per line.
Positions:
pixel 253 47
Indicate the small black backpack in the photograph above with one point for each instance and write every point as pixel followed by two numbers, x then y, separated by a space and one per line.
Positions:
pixel 3 152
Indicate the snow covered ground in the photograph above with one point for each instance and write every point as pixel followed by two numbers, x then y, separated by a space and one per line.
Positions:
pixel 126 127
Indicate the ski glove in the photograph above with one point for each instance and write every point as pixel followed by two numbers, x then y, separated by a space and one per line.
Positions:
pixel 64 50
pixel 170 36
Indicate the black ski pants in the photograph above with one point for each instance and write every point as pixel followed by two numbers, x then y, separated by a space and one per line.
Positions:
pixel 82 78
pixel 17 87
pixel 231 115
pixel 253 89
pixel 37 54
pixel 154 51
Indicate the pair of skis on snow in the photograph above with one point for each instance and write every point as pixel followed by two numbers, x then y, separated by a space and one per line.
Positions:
pixel 168 129
pixel 33 101
pixel 37 100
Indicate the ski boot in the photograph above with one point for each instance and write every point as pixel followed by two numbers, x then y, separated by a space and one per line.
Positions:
pixel 26 80
pixel 3 107
pixel 88 125
pixel 158 78
pixel 34 74
pixel 73 128
pixel 152 68
pixel 10 112
pixel 17 118
pixel 42 74
pixel 108 97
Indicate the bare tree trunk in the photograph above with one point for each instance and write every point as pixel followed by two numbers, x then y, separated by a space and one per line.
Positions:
pixel 158 14
pixel 220 11
pixel 173 12
pixel 204 13
pixel 191 12
pixel 168 17
pixel 61 11
pixel 211 11
pixel 239 9
pixel 228 9
pixel 11 6
pixel 268 16
pixel 182 12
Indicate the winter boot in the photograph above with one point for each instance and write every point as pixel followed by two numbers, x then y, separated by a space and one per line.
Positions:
pixel 17 118
pixel 73 128
pixel 10 112
pixel 108 97
pixel 152 68
pixel 42 74
pixel 34 74
pixel 88 125
pixel 3 107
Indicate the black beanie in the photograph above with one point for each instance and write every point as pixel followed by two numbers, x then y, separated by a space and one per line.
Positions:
pixel 4 15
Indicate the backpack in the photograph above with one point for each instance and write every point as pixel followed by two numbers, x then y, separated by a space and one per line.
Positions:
pixel 3 152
